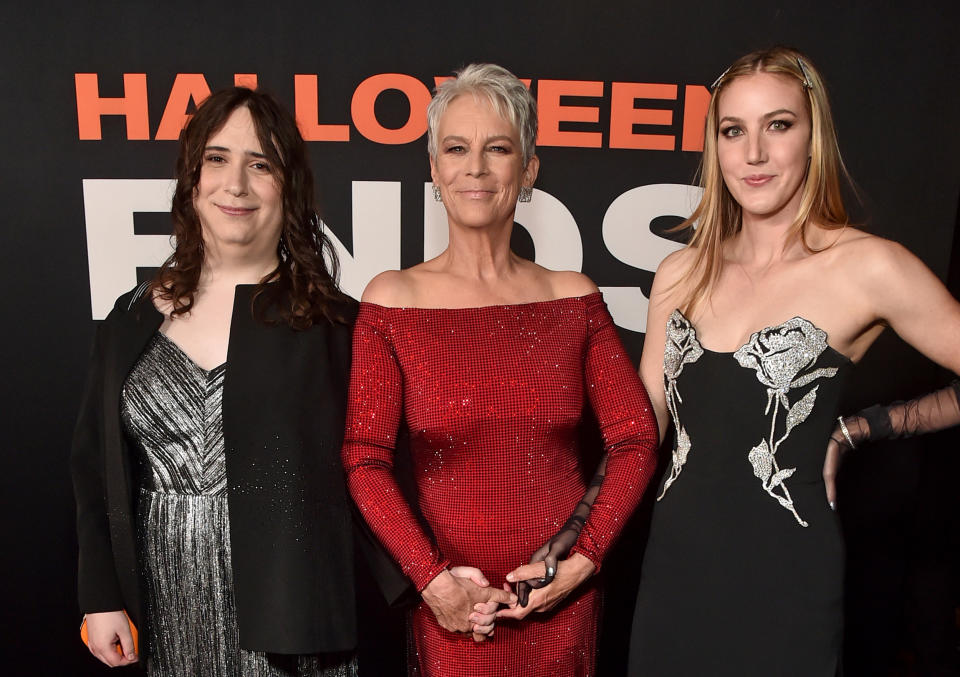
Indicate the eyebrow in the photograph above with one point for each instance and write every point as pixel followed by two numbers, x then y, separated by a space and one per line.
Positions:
pixel 499 137
pixel 779 111
pixel 766 116
pixel 224 149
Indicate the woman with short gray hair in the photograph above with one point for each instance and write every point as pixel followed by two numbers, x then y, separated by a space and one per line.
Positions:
pixel 489 359
pixel 509 97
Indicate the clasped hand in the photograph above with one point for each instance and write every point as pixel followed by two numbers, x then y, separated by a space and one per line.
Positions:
pixel 463 601
pixel 570 573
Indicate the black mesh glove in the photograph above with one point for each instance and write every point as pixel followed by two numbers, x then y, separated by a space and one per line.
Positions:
pixel 558 547
pixel 928 413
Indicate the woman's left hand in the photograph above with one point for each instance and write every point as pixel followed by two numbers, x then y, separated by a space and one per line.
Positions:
pixel 570 573
pixel 831 464
pixel 840 442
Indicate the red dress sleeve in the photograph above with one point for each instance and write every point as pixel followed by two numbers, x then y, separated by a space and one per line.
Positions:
pixel 374 410
pixel 628 428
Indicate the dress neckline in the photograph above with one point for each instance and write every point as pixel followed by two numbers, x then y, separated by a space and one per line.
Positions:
pixel 752 335
pixel 562 299
pixel 186 356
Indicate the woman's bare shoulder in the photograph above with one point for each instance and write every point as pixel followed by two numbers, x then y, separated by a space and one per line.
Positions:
pixel 866 254
pixel 674 267
pixel 401 288
pixel 569 283
pixel 389 288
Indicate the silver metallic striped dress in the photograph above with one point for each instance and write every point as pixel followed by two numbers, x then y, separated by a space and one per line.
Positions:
pixel 172 415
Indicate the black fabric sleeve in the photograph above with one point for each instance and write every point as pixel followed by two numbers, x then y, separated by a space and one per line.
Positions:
pixel 397 589
pixel 98 586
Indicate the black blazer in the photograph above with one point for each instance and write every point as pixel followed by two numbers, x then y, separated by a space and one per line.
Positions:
pixel 292 530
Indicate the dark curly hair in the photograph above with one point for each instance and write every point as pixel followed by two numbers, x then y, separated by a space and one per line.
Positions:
pixel 304 288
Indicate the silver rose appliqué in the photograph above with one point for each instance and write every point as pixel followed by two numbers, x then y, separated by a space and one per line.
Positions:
pixel 782 356
pixel 682 347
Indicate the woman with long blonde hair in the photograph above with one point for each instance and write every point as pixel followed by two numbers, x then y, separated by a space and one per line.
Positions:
pixel 752 330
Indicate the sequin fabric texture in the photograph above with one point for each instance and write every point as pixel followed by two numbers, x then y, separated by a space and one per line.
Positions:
pixel 172 414
pixel 492 397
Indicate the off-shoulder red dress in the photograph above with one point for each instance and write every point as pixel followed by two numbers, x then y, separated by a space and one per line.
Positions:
pixel 492 397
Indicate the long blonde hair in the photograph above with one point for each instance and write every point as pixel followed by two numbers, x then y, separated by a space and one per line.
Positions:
pixel 718 216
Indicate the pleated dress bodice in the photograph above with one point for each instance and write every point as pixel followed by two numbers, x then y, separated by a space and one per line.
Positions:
pixel 172 412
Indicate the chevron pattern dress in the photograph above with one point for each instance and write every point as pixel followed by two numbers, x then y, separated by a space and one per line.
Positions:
pixel 173 417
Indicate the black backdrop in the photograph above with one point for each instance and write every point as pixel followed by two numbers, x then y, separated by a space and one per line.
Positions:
pixel 892 73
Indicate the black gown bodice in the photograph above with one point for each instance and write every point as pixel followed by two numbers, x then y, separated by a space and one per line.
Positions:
pixel 757 418
pixel 743 571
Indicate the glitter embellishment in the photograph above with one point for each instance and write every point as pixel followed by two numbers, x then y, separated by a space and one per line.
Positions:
pixel 493 399
pixel 172 411
pixel 782 357
pixel 682 347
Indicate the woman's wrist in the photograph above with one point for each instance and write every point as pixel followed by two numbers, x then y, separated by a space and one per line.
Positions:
pixel 591 557
pixel 437 586
pixel 582 567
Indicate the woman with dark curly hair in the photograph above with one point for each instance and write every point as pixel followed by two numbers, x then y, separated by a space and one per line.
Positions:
pixel 211 505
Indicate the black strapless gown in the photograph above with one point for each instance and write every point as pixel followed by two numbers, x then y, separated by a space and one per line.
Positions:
pixel 743 573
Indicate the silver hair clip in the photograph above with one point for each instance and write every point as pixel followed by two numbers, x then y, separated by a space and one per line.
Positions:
pixel 807 80
pixel 717 81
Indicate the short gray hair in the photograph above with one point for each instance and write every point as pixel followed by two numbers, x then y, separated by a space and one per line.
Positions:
pixel 509 97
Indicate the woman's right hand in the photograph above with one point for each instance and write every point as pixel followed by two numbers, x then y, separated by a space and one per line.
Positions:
pixel 452 600
pixel 484 614
pixel 105 631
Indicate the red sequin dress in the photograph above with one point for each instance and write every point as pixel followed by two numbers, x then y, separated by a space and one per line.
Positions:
pixel 492 397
